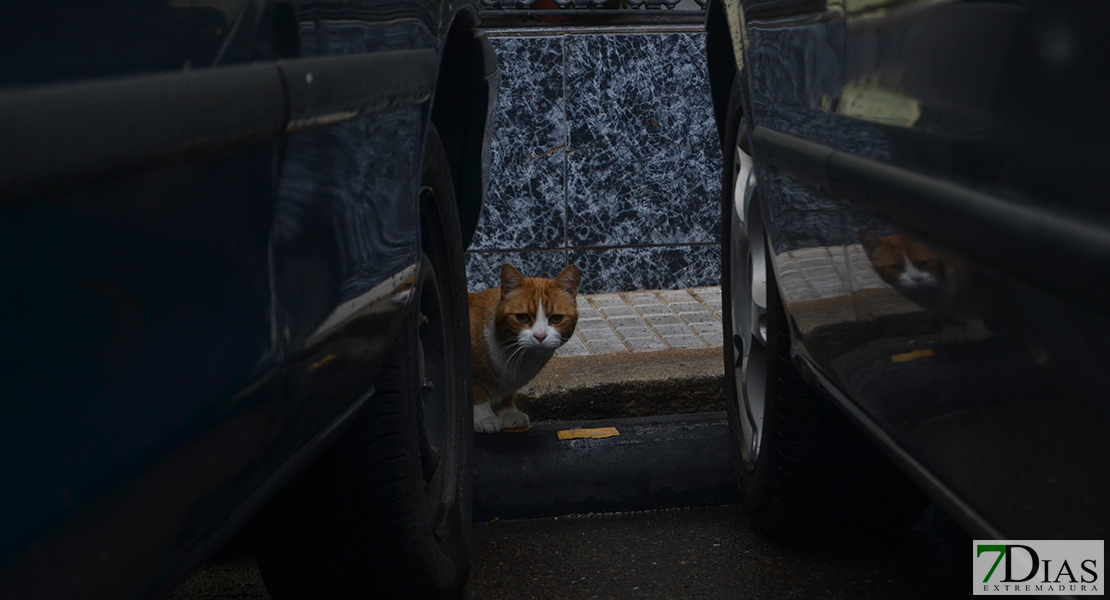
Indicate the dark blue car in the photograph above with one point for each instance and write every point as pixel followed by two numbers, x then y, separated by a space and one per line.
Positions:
pixel 916 249
pixel 231 237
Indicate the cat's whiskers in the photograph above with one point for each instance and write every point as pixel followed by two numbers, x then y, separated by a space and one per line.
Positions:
pixel 519 354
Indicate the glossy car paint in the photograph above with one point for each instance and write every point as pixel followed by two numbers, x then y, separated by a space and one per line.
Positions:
pixel 180 340
pixel 978 129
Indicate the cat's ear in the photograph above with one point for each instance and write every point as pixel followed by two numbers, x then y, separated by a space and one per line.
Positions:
pixel 869 239
pixel 568 280
pixel 511 279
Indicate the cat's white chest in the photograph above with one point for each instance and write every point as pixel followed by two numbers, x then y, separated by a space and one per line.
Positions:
pixel 515 366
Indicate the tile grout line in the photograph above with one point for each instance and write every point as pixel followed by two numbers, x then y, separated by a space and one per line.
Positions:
pixel 711 312
pixel 801 272
pixel 692 330
pixel 656 331
pixel 624 296
pixel 651 328
pixel 708 309
pixel 605 318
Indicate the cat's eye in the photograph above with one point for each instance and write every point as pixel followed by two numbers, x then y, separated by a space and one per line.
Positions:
pixel 555 319
pixel 524 318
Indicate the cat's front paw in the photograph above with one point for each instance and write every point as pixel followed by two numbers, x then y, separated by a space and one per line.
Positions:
pixel 488 425
pixel 513 419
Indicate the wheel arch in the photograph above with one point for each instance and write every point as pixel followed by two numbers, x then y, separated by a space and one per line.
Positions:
pixel 721 61
pixel 462 110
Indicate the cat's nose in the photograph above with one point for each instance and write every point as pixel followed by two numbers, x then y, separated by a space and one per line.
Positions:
pixel 539 335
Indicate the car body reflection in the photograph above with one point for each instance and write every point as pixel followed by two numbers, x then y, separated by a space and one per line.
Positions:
pixel 965 134
pixel 211 236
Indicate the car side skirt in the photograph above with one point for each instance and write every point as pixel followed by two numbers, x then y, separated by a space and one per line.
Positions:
pixel 968 517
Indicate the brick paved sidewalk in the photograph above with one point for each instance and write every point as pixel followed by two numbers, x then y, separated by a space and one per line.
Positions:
pixel 646 321
pixel 691 318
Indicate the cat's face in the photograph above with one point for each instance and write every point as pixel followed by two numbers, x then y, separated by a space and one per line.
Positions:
pixel 537 313
pixel 907 265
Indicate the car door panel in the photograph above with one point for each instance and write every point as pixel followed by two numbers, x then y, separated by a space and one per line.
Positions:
pixel 992 384
pixel 1004 377
pixel 158 284
pixel 225 299
pixel 788 69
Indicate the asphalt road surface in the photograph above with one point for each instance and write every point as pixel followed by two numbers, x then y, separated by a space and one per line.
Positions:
pixel 696 553
pixel 707 550
pixel 710 553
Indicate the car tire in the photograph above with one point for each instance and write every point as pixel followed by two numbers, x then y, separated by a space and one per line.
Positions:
pixel 386 511
pixel 803 470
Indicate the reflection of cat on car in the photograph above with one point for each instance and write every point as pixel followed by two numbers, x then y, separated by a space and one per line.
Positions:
pixel 946 285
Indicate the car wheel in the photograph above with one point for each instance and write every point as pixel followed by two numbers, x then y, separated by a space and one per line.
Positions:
pixel 802 468
pixel 386 512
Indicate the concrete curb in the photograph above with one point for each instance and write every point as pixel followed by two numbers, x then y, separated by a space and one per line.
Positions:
pixel 627 384
pixel 615 465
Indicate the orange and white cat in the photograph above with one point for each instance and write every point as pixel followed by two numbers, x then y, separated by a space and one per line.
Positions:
pixel 514 331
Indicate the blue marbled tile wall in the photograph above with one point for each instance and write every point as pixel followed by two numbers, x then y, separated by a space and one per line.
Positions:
pixel 604 154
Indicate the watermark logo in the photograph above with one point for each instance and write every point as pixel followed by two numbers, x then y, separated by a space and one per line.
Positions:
pixel 1038 567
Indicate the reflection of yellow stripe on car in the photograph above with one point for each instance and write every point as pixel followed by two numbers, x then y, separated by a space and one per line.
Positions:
pixel 908 356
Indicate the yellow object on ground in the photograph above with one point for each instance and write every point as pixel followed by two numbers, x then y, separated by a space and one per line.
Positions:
pixel 600 432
